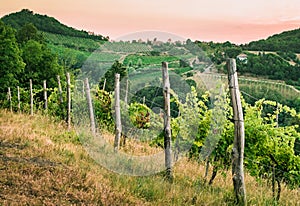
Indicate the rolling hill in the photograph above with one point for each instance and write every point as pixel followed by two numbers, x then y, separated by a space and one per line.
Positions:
pixel 69 44
pixel 47 24
pixel 288 41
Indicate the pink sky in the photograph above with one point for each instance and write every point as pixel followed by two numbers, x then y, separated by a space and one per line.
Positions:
pixel 213 20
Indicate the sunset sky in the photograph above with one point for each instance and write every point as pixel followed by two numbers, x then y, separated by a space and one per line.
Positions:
pixel 210 20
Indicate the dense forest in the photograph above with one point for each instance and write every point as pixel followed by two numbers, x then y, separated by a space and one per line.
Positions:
pixel 288 41
pixel 24 55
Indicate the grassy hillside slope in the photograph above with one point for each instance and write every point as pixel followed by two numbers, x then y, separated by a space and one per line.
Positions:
pixel 42 163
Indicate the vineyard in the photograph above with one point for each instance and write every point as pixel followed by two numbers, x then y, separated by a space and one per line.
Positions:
pixel 143 123
pixel 271 146
pixel 253 89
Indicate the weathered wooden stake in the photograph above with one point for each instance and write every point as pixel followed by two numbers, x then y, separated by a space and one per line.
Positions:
pixel 59 90
pixel 31 98
pixel 239 135
pixel 118 129
pixel 144 99
pixel 45 95
pixel 90 105
pixel 167 121
pixel 9 99
pixel 19 100
pixel 126 92
pixel 69 100
pixel 103 88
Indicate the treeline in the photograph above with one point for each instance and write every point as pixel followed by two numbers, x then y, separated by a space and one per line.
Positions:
pixel 288 41
pixel 271 66
pixel 24 55
pixel 283 64
pixel 47 24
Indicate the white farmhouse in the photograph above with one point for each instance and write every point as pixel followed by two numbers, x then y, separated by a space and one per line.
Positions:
pixel 242 57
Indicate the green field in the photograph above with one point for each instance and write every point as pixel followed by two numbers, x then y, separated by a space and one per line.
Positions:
pixel 143 60
pixel 77 43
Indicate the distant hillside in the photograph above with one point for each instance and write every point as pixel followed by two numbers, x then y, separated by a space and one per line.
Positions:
pixel 288 41
pixel 46 24
pixel 70 45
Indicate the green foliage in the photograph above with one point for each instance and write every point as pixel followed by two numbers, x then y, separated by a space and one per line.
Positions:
pixel 139 115
pixel 289 56
pixel 182 70
pixel 288 41
pixel 29 32
pixel 218 57
pixel 146 60
pixel 268 148
pixel 41 64
pixel 103 109
pixel 125 47
pixel 11 62
pixel 76 43
pixel 47 24
pixel 191 83
pixel 198 123
pixel 233 52
pixel 56 108
pixel 109 76
pixel 271 66
pixel 69 59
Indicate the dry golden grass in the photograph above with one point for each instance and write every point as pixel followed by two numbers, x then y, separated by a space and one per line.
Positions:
pixel 132 146
pixel 42 163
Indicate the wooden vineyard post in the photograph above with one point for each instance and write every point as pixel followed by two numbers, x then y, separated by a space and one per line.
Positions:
pixel 103 88
pixel 90 105
pixel 126 92
pixel 118 129
pixel 59 89
pixel 69 100
pixel 19 100
pixel 239 135
pixel 31 98
pixel 9 99
pixel 45 95
pixel 167 121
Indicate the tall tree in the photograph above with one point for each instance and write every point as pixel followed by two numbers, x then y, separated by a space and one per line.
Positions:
pixel 116 68
pixel 29 32
pixel 41 64
pixel 10 60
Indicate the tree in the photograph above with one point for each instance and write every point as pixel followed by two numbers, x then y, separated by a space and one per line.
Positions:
pixel 28 32
pixel 117 67
pixel 232 52
pixel 10 60
pixel 41 64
